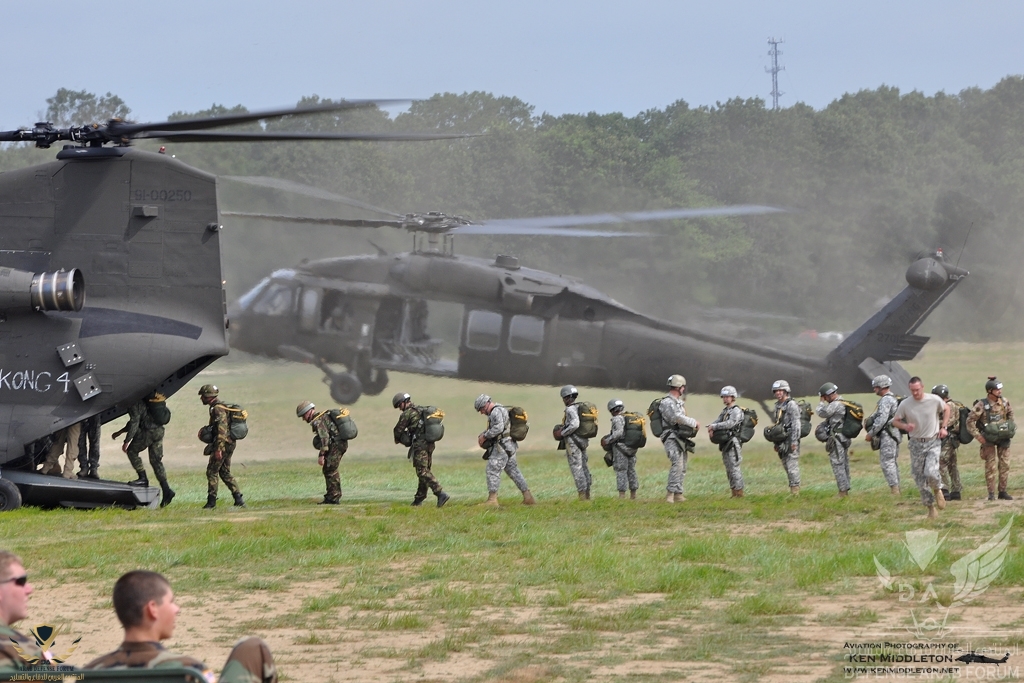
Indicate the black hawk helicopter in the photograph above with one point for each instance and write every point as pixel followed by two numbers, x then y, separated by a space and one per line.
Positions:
pixel 519 325
pixel 139 231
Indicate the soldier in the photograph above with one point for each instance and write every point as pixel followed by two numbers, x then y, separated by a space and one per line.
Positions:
pixel 501 450
pixel 623 456
pixel 221 450
pixel 409 432
pixel 575 446
pixel 879 426
pixel 144 603
pixel 730 420
pixel 788 413
pixel 63 438
pixel 141 433
pixel 925 417
pixel 838 446
pixel 332 448
pixel 992 410
pixel 15 649
pixel 677 447
pixel 948 469
pixel 89 448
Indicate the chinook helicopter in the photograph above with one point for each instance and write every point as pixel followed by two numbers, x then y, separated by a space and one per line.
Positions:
pixel 519 325
pixel 138 231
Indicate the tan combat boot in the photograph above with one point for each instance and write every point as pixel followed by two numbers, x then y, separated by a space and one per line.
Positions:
pixel 670 498
pixel 794 490
pixel 528 498
pixel 932 513
pixel 583 495
pixel 844 494
pixel 679 498
pixel 737 493
pixel 632 494
pixel 895 490
pixel 622 494
pixel 940 500
pixel 492 499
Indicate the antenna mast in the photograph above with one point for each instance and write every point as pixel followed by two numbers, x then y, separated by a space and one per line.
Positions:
pixel 774 70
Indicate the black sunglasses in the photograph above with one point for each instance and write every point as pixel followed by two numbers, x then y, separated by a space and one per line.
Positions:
pixel 17 580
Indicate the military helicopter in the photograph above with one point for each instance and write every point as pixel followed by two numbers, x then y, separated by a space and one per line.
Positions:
pixel 139 231
pixel 369 314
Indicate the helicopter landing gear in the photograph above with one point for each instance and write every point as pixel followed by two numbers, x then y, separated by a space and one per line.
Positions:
pixel 345 387
pixel 374 380
pixel 10 496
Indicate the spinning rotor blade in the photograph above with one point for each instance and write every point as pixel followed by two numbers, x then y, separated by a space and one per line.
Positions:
pixel 200 136
pixel 340 222
pixel 307 190
pixel 528 226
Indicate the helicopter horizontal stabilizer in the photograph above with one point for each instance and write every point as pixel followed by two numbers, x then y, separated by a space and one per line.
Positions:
pixel 896 372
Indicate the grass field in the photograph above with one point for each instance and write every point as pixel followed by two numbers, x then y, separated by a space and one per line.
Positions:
pixel 768 587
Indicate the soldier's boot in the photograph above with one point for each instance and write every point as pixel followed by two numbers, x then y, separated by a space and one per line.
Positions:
pixel 211 502
pixel 492 499
pixel 632 494
pixel 932 513
pixel 991 495
pixel 239 501
pixel 622 494
pixel 328 501
pixel 583 495
pixel 670 498
pixel 588 494
pixel 528 498
pixel 737 493
pixel 844 494
pixel 895 490
pixel 678 497
pixel 168 496
pixel 794 490
pixel 1003 495
pixel 416 502
pixel 442 498
pixel 142 479
pixel 940 500
pixel 953 495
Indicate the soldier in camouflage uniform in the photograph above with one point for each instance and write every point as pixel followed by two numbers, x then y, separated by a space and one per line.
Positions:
pixel 833 411
pixel 925 418
pixel 145 606
pixel 879 426
pixel 16 650
pixel 623 456
pixel 730 420
pixel 409 432
pixel 141 433
pixel 501 450
pixel 677 448
pixel 948 469
pixel 995 455
pixel 788 413
pixel 332 448
pixel 89 448
pixel 575 446
pixel 220 451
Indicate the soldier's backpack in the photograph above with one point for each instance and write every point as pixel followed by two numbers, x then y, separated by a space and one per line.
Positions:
pixel 776 433
pixel 237 416
pixel 343 422
pixel 159 413
pixel 995 432
pixel 658 427
pixel 634 433
pixel 433 425
pixel 518 423
pixel 745 430
pixel 588 420
pixel 963 434
pixel 853 420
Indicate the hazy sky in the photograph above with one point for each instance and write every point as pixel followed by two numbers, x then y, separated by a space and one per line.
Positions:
pixel 560 55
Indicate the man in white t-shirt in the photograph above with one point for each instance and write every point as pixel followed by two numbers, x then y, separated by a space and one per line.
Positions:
pixel 925 416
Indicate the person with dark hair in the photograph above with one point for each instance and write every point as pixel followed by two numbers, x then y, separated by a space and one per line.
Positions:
pixel 144 603
pixel 16 650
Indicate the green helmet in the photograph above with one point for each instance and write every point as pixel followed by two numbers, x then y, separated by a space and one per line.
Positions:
pixel 567 391
pixel 400 398
pixel 941 390
pixel 615 404
pixel 303 408
pixel 827 388
pixel 208 390
pixel 992 384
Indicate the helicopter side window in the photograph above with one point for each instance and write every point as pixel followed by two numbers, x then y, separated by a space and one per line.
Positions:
pixel 526 335
pixel 483 331
pixel 276 300
pixel 309 310
pixel 247 298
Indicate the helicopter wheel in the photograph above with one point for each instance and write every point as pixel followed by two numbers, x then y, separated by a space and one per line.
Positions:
pixel 10 496
pixel 346 388
pixel 374 380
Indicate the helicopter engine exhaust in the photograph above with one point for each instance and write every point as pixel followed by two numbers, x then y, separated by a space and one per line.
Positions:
pixel 62 290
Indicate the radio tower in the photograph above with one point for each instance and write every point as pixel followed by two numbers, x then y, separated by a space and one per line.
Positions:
pixel 774 70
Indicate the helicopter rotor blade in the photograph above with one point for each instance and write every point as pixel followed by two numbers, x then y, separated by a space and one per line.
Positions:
pixel 307 190
pixel 202 136
pixel 340 222
pixel 525 226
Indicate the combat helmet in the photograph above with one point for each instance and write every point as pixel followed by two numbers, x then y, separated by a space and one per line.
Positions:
pixel 208 390
pixel 400 398
pixel 677 381
pixel 567 391
pixel 941 390
pixel 615 404
pixel 881 382
pixel 828 388
pixel 992 384
pixel 728 390
pixel 303 408
pixel 781 384
pixel 480 402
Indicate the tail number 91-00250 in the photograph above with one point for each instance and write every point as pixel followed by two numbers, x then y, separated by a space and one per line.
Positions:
pixel 162 195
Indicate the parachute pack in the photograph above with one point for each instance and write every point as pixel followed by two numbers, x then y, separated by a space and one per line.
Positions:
pixel 343 422
pixel 237 416
pixel 963 434
pixel 634 433
pixel 433 423
pixel 159 413
pixel 658 427
pixel 745 431
pixel 518 423
pixel 776 433
pixel 996 432
pixel 853 420
pixel 588 420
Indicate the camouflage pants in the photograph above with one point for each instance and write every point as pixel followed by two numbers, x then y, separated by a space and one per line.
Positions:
pixel 221 468
pixel 250 661
pixel 500 461
pixel 625 470
pixel 839 457
pixel 331 477
pixel 948 469
pixel 154 441
pixel 89 453
pixel 996 458
pixel 577 458
pixel 887 454
pixel 924 463
pixel 422 459
pixel 677 456
pixel 65 437
pixel 732 457
pixel 790 462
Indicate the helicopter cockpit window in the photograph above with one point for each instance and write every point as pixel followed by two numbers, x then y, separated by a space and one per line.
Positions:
pixel 247 298
pixel 526 335
pixel 276 300
pixel 483 331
